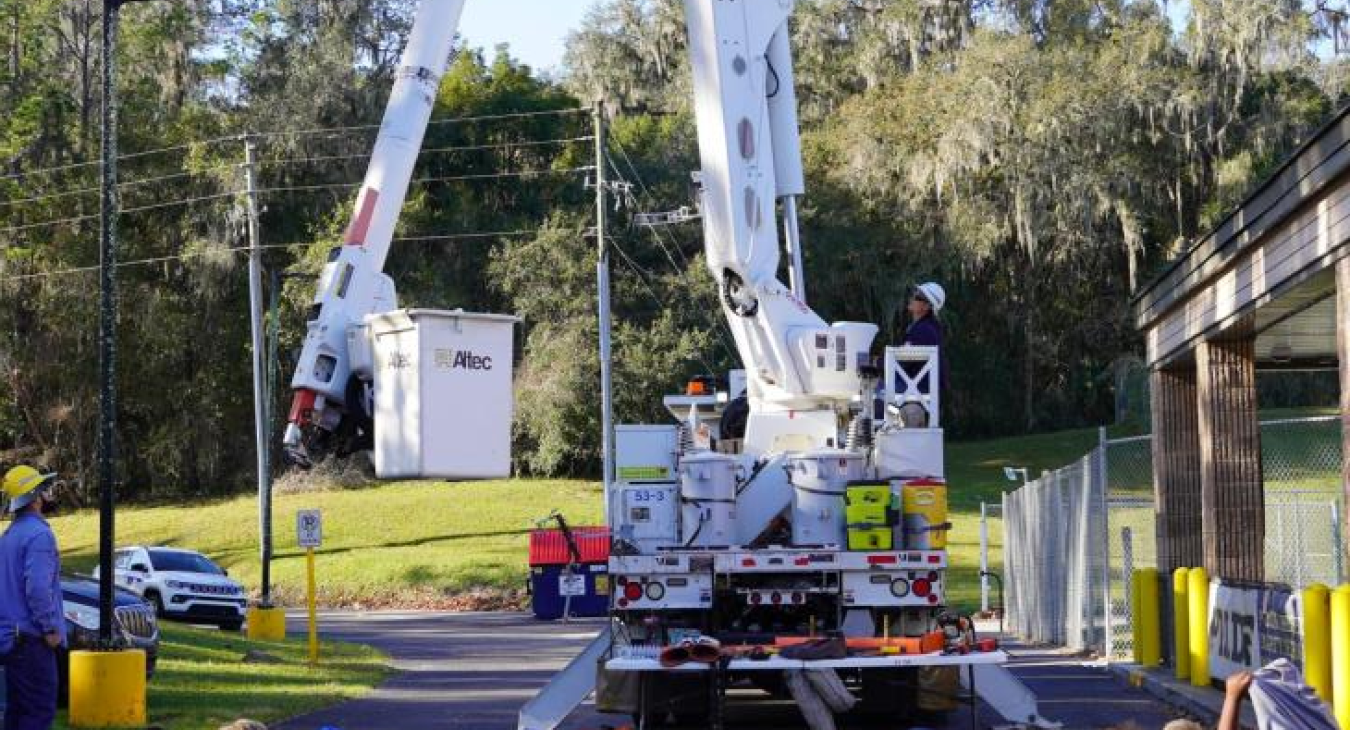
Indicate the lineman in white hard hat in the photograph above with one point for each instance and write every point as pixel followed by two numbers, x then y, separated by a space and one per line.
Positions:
pixel 924 328
pixel 31 622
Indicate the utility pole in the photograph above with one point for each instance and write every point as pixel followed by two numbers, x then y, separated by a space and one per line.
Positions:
pixel 602 285
pixel 107 326
pixel 260 391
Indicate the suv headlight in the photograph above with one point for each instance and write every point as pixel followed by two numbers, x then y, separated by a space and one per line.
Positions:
pixel 86 617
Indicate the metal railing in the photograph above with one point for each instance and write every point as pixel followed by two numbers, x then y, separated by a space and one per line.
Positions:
pixel 1074 537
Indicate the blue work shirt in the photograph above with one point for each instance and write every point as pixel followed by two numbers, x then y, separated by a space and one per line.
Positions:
pixel 30 577
pixel 927 332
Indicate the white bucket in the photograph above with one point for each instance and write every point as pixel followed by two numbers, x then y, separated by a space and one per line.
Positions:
pixel 708 499
pixel 819 479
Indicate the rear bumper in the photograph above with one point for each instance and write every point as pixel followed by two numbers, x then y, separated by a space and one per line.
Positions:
pixel 777 663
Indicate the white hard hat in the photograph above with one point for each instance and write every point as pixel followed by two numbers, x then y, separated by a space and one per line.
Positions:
pixel 934 293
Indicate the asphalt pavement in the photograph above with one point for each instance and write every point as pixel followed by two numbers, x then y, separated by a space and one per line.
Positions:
pixel 473 671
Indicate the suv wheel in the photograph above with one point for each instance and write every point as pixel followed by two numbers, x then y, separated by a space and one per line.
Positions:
pixel 154 599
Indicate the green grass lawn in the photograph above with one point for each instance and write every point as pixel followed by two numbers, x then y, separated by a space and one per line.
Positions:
pixel 201 682
pixel 395 544
pixel 464 545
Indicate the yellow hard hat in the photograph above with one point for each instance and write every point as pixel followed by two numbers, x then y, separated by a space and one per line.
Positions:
pixel 23 485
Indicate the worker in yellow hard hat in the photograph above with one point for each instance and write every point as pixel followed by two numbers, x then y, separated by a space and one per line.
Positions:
pixel 31 623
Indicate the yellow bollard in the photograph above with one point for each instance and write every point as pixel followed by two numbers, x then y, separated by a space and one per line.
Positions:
pixel 1340 654
pixel 1147 637
pixel 266 624
pixel 107 688
pixel 1317 639
pixel 1197 591
pixel 1181 645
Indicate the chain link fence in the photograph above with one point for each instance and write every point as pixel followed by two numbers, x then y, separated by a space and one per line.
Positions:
pixel 1074 537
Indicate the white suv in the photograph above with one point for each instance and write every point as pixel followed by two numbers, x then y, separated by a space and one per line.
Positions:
pixel 182 584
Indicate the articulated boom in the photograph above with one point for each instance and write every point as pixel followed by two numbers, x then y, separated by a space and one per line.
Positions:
pixel 750 147
pixel 353 284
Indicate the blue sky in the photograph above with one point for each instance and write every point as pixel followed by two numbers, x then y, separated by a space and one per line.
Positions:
pixel 534 28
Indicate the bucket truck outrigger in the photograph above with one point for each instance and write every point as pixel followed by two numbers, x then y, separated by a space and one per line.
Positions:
pixel 792 526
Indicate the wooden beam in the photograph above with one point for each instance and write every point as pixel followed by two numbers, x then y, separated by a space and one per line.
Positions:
pixel 1231 490
pixel 1176 469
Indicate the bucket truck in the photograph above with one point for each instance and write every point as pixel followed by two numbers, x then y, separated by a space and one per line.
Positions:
pixel 789 526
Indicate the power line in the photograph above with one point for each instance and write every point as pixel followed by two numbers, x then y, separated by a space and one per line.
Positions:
pixel 124 185
pixel 127 156
pixel 246 249
pixel 433 150
pixel 723 330
pixel 431 123
pixel 271 135
pixel 424 180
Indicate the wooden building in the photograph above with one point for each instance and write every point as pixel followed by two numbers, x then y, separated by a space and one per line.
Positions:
pixel 1268 288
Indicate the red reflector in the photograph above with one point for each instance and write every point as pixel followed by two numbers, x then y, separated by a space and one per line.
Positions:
pixel 776 597
pixel 932 599
pixel 798 598
pixel 632 591
pixel 622 580
pixel 747 562
pixel 921 587
pixel 623 602
pixel 756 598
pixel 932 576
pixel 935 558
pixel 801 561
pixel 881 560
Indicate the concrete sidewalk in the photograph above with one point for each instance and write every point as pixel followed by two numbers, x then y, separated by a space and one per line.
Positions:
pixel 1201 703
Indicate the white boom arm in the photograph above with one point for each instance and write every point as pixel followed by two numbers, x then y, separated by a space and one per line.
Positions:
pixel 353 284
pixel 750 148
pixel 751 157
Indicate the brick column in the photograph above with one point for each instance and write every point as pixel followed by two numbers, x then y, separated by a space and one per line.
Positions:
pixel 1231 491
pixel 1176 468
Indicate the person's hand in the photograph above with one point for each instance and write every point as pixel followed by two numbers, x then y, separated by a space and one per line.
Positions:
pixel 1237 684
pixel 53 640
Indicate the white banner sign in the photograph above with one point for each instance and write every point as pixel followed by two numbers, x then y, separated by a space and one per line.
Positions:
pixel 1234 641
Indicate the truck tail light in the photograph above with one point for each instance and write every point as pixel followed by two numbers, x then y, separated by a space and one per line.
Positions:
pixel 922 588
pixel 776 598
pixel 632 590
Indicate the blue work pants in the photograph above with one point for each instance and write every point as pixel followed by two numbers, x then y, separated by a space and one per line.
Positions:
pixel 30 685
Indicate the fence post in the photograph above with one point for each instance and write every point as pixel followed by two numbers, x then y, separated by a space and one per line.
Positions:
pixel 984 558
pixel 1127 576
pixel 1103 472
pixel 1338 547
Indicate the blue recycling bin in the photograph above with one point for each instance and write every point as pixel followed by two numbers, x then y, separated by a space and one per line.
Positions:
pixel 588 584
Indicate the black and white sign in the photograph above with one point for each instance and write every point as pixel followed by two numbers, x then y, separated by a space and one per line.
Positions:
pixel 309 528
pixel 572 584
pixel 1249 627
